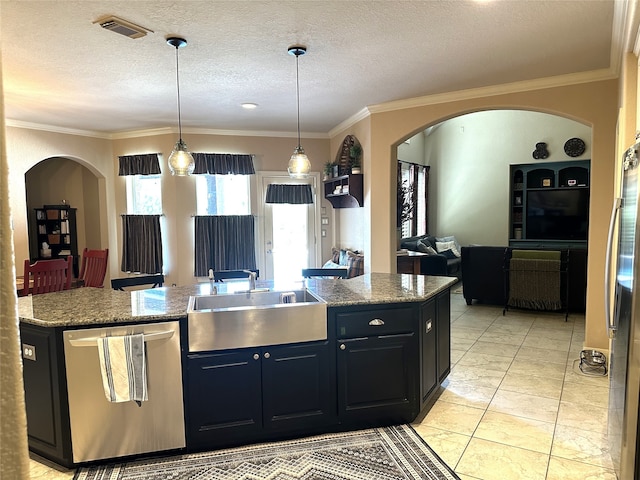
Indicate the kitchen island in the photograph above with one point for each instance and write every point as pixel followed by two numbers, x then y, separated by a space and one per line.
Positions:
pixel 385 353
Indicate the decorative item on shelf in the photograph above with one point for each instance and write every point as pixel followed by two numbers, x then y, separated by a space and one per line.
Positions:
pixel 517 232
pixel 299 164
pixel 345 189
pixel 518 200
pixel 546 182
pixel 355 152
pixel 181 162
pixel 335 170
pixel 518 186
pixel 541 151
pixel 572 182
pixel 574 147
pixel 328 167
pixel 337 190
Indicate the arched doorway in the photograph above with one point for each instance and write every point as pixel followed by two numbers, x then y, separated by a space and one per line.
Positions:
pixel 470 155
pixel 58 181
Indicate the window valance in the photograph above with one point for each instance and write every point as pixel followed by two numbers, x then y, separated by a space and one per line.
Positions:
pixel 223 164
pixel 289 193
pixel 146 164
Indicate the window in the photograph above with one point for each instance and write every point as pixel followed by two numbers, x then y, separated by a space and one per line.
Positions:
pixel 416 178
pixel 223 195
pixel 144 195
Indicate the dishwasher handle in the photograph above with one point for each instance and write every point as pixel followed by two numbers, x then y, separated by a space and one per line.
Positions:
pixel 93 341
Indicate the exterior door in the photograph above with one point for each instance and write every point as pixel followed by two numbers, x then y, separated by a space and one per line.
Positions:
pixel 289 239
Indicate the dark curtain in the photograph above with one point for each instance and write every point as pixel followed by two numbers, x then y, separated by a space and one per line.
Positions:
pixel 147 164
pixel 141 244
pixel 287 193
pixel 223 164
pixel 224 242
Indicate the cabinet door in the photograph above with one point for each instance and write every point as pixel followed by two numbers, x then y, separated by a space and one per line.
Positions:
pixel 443 332
pixel 45 394
pixel 377 379
pixel 224 397
pixel 298 384
pixel 428 351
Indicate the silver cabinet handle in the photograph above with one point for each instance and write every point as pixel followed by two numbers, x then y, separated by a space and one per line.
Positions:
pixel 376 322
pixel 342 346
pixel 267 355
pixel 256 356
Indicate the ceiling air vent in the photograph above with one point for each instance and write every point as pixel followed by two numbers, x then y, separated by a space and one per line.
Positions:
pixel 122 27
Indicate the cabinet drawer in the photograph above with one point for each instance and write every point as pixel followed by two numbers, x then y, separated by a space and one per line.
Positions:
pixel 371 322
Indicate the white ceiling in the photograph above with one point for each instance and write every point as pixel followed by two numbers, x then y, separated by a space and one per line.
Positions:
pixel 61 69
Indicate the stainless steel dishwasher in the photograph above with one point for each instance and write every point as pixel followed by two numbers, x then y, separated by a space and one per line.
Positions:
pixel 101 429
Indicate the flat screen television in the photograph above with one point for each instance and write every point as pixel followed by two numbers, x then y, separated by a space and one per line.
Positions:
pixel 557 214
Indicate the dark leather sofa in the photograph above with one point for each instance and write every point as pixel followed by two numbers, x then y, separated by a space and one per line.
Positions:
pixel 433 264
pixel 484 277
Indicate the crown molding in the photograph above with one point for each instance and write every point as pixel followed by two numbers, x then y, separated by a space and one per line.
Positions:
pixel 55 129
pixel 494 90
pixel 349 122
pixel 150 132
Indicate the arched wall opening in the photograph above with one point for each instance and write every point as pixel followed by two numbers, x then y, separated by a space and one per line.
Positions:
pixel 68 180
pixel 470 155
pixel 593 104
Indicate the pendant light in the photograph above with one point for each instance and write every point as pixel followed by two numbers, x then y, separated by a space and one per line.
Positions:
pixel 299 165
pixel 180 161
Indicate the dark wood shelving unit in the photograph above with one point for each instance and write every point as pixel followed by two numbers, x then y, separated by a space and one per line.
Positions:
pixel 344 191
pixel 56 225
pixel 525 178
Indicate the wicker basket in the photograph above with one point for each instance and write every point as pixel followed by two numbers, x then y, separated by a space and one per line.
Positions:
pixel 53 214
pixel 54 238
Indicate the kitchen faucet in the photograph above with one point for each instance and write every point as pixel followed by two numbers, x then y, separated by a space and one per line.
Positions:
pixel 252 279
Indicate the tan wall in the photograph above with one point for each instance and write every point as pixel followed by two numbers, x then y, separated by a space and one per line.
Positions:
pixel 352 224
pixel 592 103
pixel 26 148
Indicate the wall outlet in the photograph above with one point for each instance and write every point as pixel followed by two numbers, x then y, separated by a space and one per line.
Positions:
pixel 29 352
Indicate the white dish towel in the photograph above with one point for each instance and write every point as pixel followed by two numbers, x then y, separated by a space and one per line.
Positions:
pixel 124 368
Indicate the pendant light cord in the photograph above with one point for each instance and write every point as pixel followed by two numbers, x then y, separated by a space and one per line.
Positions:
pixel 178 89
pixel 298 97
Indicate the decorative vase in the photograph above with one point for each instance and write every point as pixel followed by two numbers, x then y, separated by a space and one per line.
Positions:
pixel 335 170
pixel 355 170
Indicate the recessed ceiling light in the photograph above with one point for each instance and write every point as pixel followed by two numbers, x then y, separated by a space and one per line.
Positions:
pixel 249 106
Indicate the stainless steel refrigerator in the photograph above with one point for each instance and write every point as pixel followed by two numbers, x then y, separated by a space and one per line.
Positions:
pixel 624 327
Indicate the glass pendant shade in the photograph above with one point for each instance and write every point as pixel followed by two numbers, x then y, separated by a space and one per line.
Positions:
pixel 299 164
pixel 181 162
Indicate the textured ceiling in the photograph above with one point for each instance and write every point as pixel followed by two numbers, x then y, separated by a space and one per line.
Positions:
pixel 61 69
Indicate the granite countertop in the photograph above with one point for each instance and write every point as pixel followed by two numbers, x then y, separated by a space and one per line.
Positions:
pixel 97 306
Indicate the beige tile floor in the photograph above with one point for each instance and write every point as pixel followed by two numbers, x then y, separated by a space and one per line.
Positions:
pixel 515 406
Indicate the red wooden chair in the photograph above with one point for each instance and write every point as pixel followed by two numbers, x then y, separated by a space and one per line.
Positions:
pixel 93 267
pixel 47 276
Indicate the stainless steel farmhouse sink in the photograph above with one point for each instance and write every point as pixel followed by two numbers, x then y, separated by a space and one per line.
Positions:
pixel 254 319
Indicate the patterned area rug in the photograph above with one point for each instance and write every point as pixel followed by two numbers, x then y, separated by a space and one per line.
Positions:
pixel 389 453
